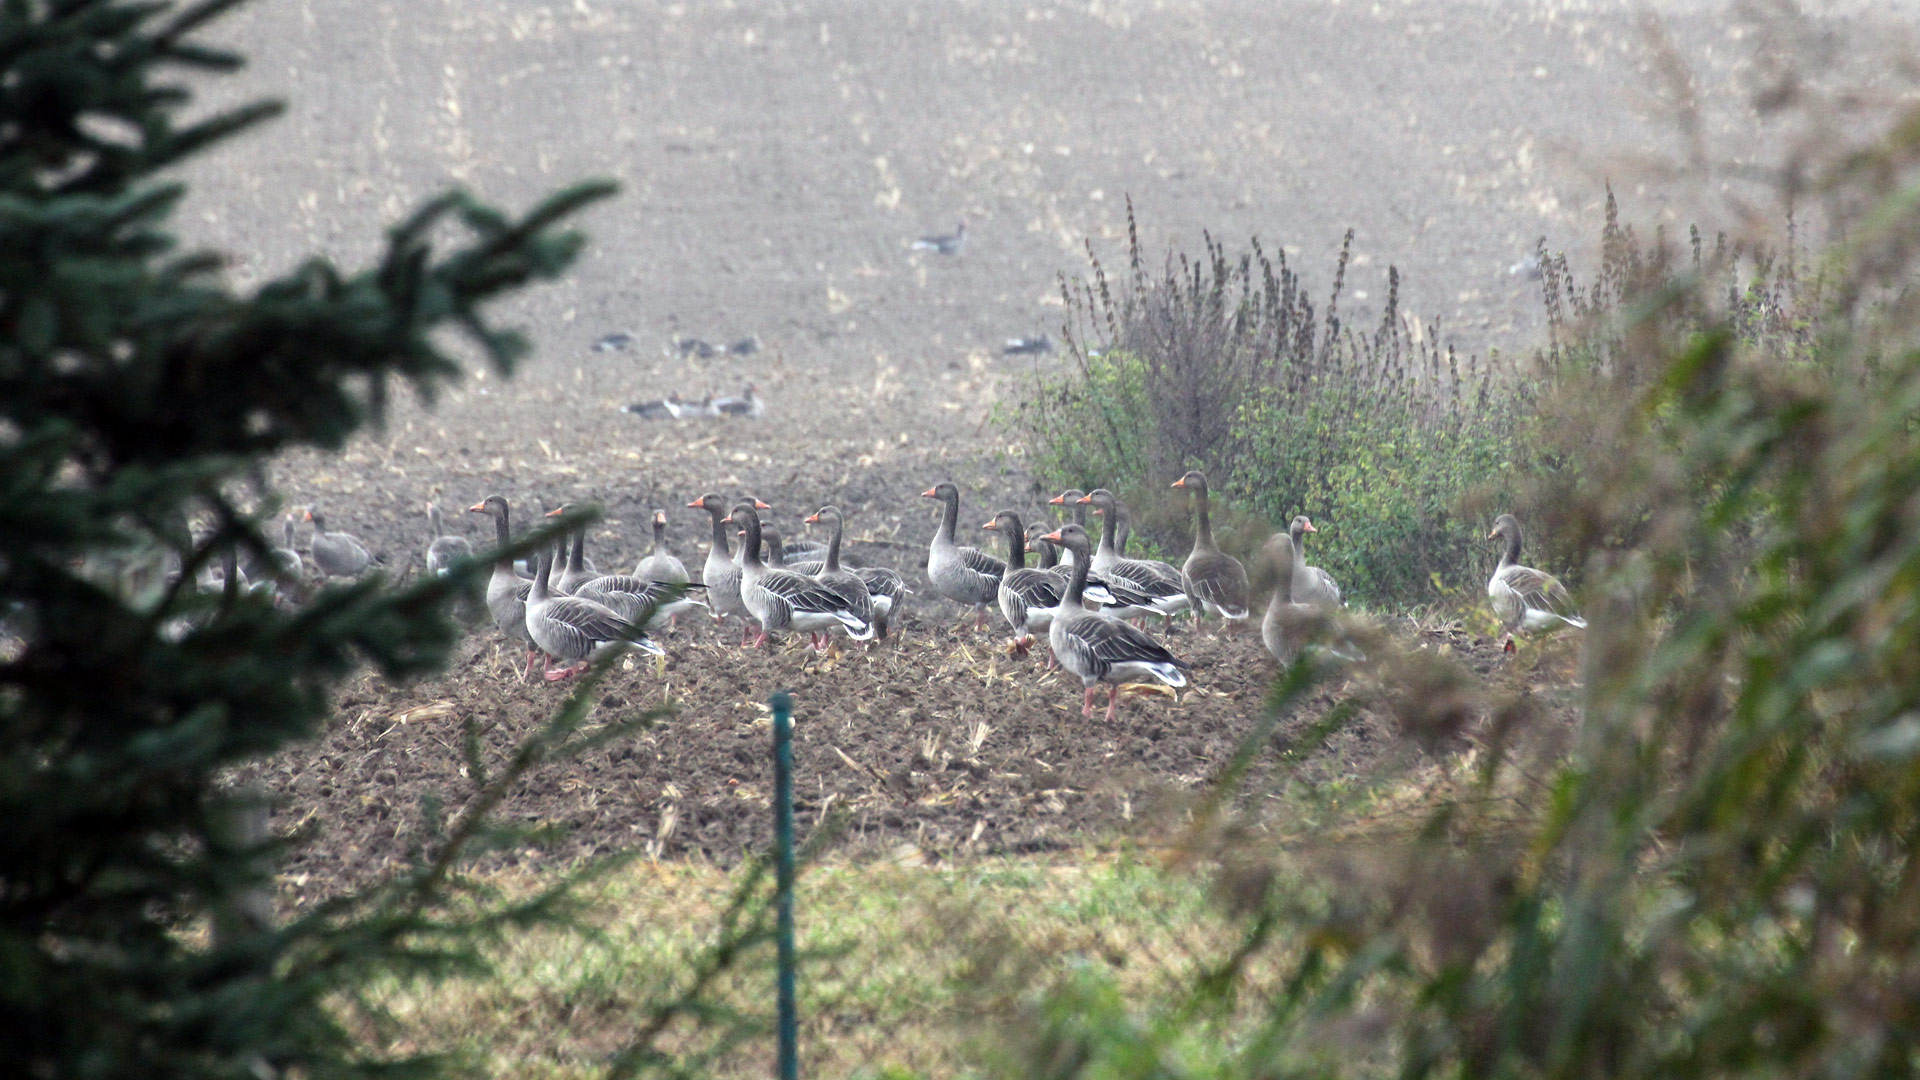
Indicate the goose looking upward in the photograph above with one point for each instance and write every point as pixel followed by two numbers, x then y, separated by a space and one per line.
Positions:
pixel 1527 600
pixel 1216 582
pixel 1311 585
pixel 506 590
pixel 722 572
pixel 966 574
pixel 574 629
pixel 1103 650
pixel 780 599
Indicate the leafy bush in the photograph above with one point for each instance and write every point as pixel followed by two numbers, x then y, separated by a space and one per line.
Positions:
pixel 1223 364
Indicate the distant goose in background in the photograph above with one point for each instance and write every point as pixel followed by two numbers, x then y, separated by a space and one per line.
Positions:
pixel 1526 599
pixel 745 346
pixel 666 408
pixel 506 590
pixel 944 245
pixel 661 564
pixel 442 549
pixel 747 404
pixel 721 573
pixel 617 341
pixel 336 554
pixel 575 629
pixel 693 346
pixel 1216 582
pixel 1103 650
pixel 1027 346
pixel 965 574
pixel 1311 585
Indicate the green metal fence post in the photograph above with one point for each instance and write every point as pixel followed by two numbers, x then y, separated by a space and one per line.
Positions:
pixel 782 703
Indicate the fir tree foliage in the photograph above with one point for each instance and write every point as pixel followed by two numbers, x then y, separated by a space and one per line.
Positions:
pixel 140 393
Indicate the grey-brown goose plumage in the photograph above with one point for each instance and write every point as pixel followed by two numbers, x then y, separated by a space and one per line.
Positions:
pixel 1292 625
pixel 506 590
pixel 442 549
pixel 1147 578
pixel 721 573
pixel 1526 599
pixel 1311 585
pixel 1030 596
pixel 847 583
pixel 965 574
pixel 575 629
pixel 1216 582
pixel 1103 650
pixel 661 564
pixel 571 570
pixel 1074 502
pixel 781 599
pixel 641 601
pixel 336 554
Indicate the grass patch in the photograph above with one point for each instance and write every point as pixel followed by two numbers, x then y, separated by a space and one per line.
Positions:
pixel 899 964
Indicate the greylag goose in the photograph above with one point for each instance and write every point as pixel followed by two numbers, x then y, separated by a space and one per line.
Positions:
pixel 442 549
pixel 1292 625
pixel 336 554
pixel 693 346
pixel 1103 650
pixel 1028 597
pixel 661 564
pixel 506 590
pixel 278 563
pixel 781 599
pixel 847 583
pixel 885 587
pixel 1027 346
pixel 1145 578
pixel 617 341
pixel 575 629
pixel 577 569
pixel 640 601
pixel 1311 585
pixel 722 573
pixel 1075 502
pixel 1526 599
pixel 745 346
pixel 748 404
pixel 966 574
pixel 949 244
pixel 666 408
pixel 1216 582
pixel 1111 551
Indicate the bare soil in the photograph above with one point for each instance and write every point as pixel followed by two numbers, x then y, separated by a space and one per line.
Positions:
pixel 777 161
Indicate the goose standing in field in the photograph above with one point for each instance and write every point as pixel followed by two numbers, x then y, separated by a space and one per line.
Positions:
pixel 885 587
pixel 1311 585
pixel 442 549
pixel 1029 598
pixel 722 573
pixel 1147 578
pixel 1216 582
pixel 1527 600
pixel 506 590
pixel 966 574
pixel 575 570
pixel 638 600
pixel 781 599
pixel 661 564
pixel 1098 649
pixel 574 629
pixel 1074 502
pixel 1289 623
pixel 845 582
pixel 336 554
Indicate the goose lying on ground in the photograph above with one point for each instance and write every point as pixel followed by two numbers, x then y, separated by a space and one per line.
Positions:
pixel 336 554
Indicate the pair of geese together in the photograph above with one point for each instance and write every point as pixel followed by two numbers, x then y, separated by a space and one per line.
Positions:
pixel 581 615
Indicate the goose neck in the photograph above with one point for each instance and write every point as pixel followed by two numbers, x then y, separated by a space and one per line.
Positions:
pixel 949 520
pixel 833 545
pixel 1077 584
pixel 1202 521
pixel 720 541
pixel 1511 556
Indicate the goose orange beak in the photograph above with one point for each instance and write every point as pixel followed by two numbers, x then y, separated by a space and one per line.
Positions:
pixel 758 505
pixel 1055 537
pixel 556 511
pixel 1084 499
pixel 728 520
pixel 1308 527
pixel 811 519
pixel 1058 500
pixel 1182 482
pixel 306 515
pixel 994 525
pixel 697 504
pixel 477 508
pixel 930 493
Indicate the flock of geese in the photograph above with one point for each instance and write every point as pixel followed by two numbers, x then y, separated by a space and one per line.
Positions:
pixel 1091 600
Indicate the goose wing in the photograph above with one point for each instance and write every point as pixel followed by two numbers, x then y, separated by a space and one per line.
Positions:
pixel 592 621
pixel 1539 591
pixel 1219 580
pixel 1036 588
pixel 802 593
